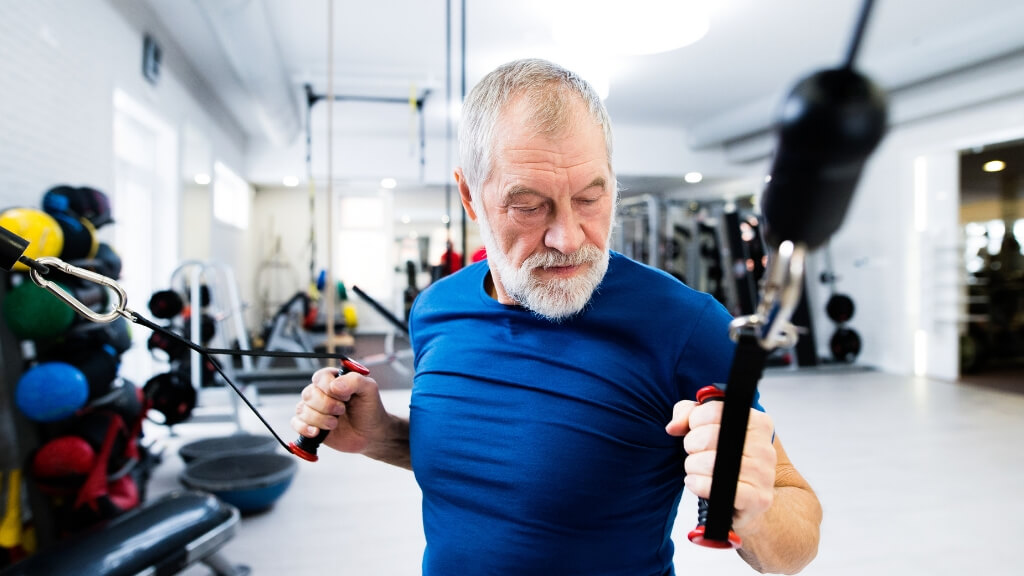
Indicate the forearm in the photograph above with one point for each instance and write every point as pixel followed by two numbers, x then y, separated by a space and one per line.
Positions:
pixel 785 539
pixel 393 446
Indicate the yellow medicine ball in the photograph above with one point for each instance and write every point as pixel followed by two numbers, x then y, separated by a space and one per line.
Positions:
pixel 43 233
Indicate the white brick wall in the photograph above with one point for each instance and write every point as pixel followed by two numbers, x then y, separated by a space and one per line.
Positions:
pixel 60 61
pixel 55 102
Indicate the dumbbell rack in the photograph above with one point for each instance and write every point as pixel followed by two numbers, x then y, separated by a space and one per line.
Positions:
pixel 188 279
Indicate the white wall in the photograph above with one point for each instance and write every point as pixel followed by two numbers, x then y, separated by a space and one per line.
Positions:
pixel 897 252
pixel 62 63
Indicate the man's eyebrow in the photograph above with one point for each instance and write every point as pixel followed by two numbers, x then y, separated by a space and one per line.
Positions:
pixel 599 182
pixel 517 190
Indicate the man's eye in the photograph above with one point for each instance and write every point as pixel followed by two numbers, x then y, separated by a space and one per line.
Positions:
pixel 527 209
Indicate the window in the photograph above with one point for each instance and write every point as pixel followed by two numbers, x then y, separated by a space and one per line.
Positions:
pixel 231 197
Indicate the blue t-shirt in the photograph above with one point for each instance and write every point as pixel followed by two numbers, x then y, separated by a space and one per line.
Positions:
pixel 540 447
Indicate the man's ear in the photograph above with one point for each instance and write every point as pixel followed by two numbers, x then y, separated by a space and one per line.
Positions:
pixel 464 195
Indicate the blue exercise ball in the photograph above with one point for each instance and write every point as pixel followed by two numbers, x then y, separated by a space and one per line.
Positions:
pixel 51 391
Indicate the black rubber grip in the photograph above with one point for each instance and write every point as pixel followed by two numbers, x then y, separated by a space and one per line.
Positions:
pixel 306 447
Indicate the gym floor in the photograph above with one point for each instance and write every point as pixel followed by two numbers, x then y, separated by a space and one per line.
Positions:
pixel 915 476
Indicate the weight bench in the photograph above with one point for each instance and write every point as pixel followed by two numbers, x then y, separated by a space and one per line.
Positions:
pixel 159 538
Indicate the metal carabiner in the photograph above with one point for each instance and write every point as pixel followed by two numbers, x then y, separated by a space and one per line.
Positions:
pixel 120 307
pixel 780 295
pixel 783 289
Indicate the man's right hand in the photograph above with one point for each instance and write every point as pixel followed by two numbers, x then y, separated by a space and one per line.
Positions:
pixel 348 405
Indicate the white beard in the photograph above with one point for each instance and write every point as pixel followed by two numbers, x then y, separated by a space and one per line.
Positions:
pixel 556 299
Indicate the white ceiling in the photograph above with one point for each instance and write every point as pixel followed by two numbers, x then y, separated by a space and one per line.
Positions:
pixel 257 54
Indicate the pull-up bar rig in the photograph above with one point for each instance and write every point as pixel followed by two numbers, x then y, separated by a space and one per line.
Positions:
pixel 312 98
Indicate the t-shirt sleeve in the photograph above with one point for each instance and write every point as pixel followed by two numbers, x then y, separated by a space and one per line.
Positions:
pixel 707 354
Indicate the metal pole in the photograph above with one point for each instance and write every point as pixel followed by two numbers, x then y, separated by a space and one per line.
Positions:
pixel 329 285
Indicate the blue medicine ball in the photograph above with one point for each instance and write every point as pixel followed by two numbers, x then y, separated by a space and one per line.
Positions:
pixel 51 391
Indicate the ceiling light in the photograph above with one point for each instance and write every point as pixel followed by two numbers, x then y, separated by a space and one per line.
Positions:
pixel 290 181
pixel 994 166
pixel 388 183
pixel 202 179
pixel 693 177
pixel 633 28
pixel 406 219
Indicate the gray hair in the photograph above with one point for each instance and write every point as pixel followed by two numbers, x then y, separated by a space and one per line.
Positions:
pixel 549 89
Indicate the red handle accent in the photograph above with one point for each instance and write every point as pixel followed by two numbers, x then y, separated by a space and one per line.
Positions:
pixel 697 537
pixel 709 393
pixel 350 365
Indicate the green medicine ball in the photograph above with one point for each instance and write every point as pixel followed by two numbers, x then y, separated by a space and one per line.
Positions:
pixel 32 313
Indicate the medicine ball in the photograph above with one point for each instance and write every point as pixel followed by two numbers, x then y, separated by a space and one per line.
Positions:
pixel 170 395
pixel 99 363
pixel 173 348
pixel 840 308
pixel 60 465
pixel 51 391
pixel 90 335
pixel 166 304
pixel 106 262
pixel 117 335
pixel 79 236
pixel 207 326
pixel 83 202
pixel 845 345
pixel 205 297
pixel 93 205
pixel 33 313
pixel 43 233
pixel 58 199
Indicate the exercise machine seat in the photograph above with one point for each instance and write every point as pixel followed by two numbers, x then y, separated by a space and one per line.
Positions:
pixel 162 537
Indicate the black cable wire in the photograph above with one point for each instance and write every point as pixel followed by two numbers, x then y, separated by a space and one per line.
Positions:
pixel 208 353
pixel 41 268
pixel 858 33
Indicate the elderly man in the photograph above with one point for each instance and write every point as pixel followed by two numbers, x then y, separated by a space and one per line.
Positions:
pixel 552 424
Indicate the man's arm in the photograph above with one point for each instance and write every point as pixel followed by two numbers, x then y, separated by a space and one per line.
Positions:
pixel 784 539
pixel 393 447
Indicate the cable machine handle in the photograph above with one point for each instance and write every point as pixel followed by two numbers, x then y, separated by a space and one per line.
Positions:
pixel 305 447
pixel 699 534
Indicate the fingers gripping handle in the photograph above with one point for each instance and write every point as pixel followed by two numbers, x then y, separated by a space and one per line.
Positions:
pixel 698 535
pixel 304 447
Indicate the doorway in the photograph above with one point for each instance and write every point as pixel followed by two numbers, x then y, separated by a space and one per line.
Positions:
pixel 992 224
pixel 145 208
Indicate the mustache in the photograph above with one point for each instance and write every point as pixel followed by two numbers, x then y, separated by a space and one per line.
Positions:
pixel 585 255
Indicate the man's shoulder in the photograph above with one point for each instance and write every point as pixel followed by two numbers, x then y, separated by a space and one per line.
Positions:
pixel 455 288
pixel 638 280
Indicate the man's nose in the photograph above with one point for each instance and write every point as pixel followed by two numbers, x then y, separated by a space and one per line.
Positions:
pixel 565 232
